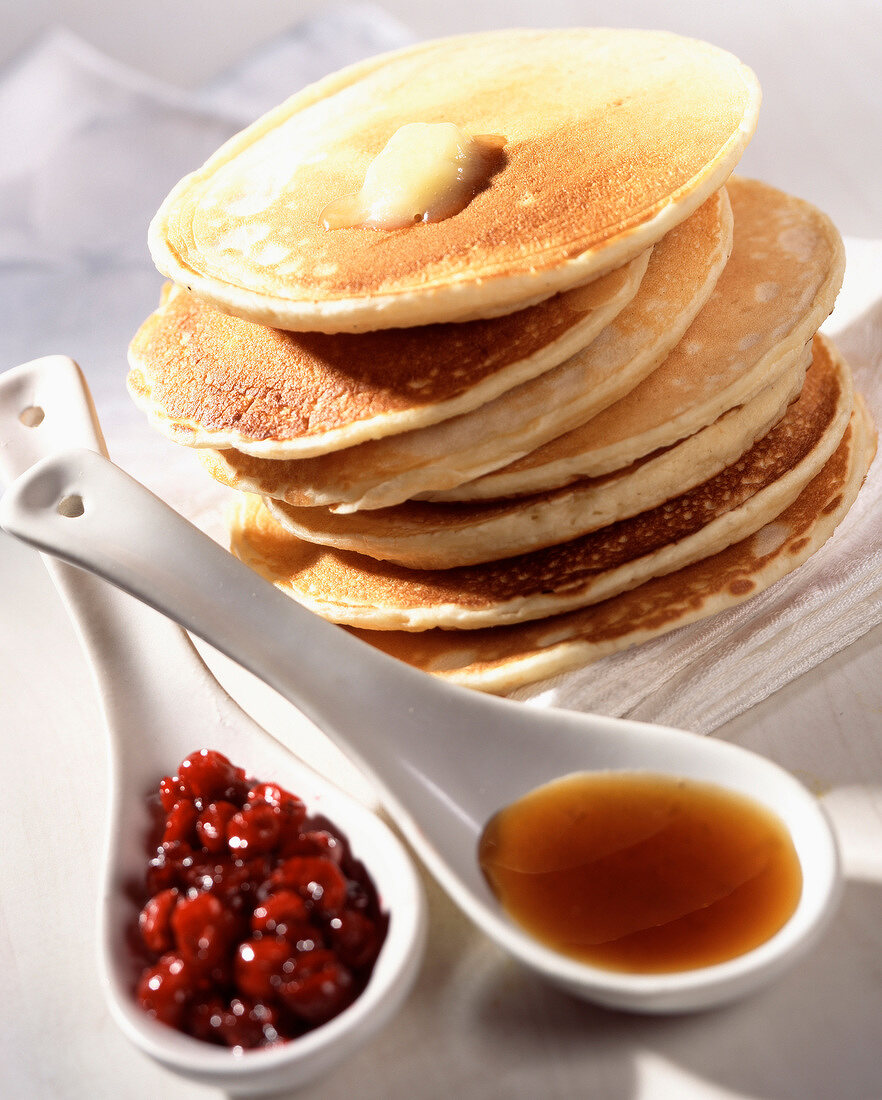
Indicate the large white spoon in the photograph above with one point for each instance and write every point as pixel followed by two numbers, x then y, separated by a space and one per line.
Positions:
pixel 444 759
pixel 161 703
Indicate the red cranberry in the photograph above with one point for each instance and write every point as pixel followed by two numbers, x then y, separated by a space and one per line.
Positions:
pixel 170 792
pixel 279 912
pixel 277 796
pixel 204 929
pixel 165 989
pixel 209 776
pixel 180 825
pixel 205 1018
pixel 247 1024
pixel 161 874
pixel 355 938
pixel 315 878
pixel 202 876
pixel 242 881
pixel 314 842
pixel 260 966
pixel 155 921
pixel 212 825
pixel 320 987
pixel 255 829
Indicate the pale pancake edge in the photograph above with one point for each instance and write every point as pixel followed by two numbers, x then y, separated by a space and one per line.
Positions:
pixel 424 535
pixel 786 270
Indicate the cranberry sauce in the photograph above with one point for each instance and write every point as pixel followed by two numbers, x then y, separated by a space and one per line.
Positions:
pixel 257 924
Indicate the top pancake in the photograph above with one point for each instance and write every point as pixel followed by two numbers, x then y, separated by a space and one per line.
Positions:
pixel 612 137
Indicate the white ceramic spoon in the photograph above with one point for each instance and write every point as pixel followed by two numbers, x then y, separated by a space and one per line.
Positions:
pixel 445 759
pixel 160 703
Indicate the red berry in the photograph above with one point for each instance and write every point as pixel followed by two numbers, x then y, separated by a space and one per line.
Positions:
pixel 170 792
pixel 316 879
pixel 161 874
pixel 315 842
pixel 202 876
pixel 155 921
pixel 355 938
pixel 260 966
pixel 247 1024
pixel 254 830
pixel 180 825
pixel 169 866
pixel 320 987
pixel 284 914
pixel 204 930
pixel 278 796
pixel 164 989
pixel 239 882
pixel 205 1017
pixel 209 776
pixel 212 825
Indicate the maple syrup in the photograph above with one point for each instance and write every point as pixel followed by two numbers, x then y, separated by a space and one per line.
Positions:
pixel 641 872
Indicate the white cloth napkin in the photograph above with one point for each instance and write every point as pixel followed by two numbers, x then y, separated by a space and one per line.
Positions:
pixel 90 149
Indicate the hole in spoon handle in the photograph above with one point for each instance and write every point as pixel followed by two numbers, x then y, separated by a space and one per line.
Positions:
pixel 45 407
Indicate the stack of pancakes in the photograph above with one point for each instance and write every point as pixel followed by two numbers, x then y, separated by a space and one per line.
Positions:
pixel 588 408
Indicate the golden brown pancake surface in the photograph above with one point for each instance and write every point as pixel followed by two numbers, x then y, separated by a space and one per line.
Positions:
pixel 611 138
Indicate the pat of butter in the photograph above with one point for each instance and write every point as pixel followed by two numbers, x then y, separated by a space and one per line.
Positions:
pixel 427 171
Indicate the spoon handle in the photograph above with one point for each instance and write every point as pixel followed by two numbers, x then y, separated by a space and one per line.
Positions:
pixel 45 408
pixel 405 730
pixel 81 507
pixel 409 732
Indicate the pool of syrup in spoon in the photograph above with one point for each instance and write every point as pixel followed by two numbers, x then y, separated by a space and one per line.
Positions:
pixel 642 872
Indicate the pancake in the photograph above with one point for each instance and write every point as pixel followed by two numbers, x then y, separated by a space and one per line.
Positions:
pixel 424 535
pixel 682 272
pixel 504 658
pixel 208 379
pixel 786 270
pixel 612 137
pixel 359 591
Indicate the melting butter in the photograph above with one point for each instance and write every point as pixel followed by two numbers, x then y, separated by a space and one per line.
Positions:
pixel 427 171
